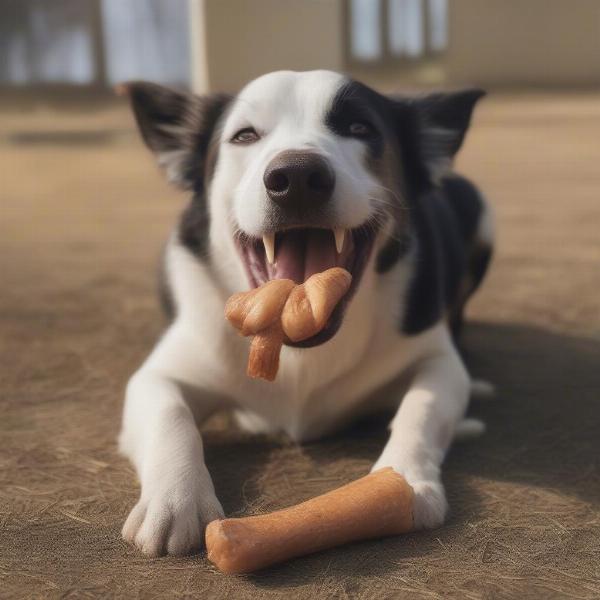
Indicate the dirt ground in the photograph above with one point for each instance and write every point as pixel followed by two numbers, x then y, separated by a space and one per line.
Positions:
pixel 83 215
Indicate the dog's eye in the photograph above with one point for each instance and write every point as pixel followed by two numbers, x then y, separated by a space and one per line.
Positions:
pixel 360 129
pixel 247 135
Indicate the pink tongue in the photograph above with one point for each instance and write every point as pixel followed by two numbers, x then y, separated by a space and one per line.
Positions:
pixel 300 254
pixel 289 256
pixel 320 252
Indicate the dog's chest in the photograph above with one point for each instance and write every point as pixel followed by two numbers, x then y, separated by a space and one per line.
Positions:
pixel 304 395
pixel 319 391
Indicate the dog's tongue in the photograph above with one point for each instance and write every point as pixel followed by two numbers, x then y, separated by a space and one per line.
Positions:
pixel 302 253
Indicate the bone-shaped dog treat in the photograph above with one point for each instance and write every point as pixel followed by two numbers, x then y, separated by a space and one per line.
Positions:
pixel 378 505
pixel 280 310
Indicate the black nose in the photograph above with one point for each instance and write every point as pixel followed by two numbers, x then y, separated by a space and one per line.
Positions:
pixel 298 179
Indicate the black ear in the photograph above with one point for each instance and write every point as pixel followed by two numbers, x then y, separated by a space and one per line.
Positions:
pixel 435 126
pixel 177 127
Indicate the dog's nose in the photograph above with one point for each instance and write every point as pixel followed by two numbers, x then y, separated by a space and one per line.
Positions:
pixel 297 178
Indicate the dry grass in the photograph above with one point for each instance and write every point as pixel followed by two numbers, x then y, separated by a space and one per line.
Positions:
pixel 81 227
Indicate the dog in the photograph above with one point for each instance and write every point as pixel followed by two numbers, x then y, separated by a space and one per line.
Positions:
pixel 299 172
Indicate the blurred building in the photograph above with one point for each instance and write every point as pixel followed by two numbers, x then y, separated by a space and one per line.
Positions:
pixel 220 44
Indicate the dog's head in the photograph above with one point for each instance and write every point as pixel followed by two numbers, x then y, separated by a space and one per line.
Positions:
pixel 300 171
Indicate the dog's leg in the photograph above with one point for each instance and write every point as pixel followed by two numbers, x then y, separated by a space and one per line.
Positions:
pixel 161 438
pixel 422 430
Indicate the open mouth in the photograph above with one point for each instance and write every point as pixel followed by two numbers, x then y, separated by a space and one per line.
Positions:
pixel 297 253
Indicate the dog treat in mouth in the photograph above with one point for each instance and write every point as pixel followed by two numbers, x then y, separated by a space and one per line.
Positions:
pixel 377 505
pixel 281 310
pixel 310 305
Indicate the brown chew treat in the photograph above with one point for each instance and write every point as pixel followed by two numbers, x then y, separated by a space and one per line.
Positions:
pixel 279 310
pixel 378 505
pixel 258 313
pixel 256 310
pixel 310 305
pixel 263 360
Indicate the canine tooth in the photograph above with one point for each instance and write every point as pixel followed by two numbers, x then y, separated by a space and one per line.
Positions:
pixel 340 235
pixel 269 244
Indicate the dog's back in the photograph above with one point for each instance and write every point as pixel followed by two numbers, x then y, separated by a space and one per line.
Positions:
pixel 453 236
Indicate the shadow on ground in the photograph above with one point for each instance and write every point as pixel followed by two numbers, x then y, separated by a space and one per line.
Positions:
pixel 543 432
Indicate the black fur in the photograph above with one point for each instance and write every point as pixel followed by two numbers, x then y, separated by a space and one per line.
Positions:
pixel 478 264
pixel 444 225
pixel 430 130
pixel 355 102
pixel 194 226
pixel 465 200
pixel 443 214
pixel 180 128
pixel 424 133
pixel 394 250
pixel 445 118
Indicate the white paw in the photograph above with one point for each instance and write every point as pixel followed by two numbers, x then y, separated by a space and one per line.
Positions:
pixel 482 389
pixel 469 429
pixel 171 521
pixel 430 504
pixel 252 423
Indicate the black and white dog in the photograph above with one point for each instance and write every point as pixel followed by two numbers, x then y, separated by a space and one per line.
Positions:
pixel 298 173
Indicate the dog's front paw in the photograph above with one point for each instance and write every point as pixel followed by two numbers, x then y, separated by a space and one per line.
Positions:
pixel 171 521
pixel 430 506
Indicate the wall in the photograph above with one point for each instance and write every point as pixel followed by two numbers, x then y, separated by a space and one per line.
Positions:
pixel 492 43
pixel 524 42
pixel 237 40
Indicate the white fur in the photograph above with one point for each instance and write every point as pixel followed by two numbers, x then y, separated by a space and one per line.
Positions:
pixel 199 364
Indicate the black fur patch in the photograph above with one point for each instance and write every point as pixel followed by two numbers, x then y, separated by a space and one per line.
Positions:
pixel 424 134
pixel 180 128
pixel 466 202
pixel 445 120
pixel 355 102
pixel 478 264
pixel 430 130
pixel 194 226
pixel 393 250
pixel 195 220
pixel 445 222
pixel 443 213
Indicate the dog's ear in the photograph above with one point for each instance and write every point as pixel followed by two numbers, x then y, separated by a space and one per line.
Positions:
pixel 177 127
pixel 432 129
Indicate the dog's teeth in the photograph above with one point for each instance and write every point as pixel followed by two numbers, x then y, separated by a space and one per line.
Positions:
pixel 340 235
pixel 269 243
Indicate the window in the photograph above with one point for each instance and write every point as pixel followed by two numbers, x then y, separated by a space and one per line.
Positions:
pixel 381 30
pixel 93 42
